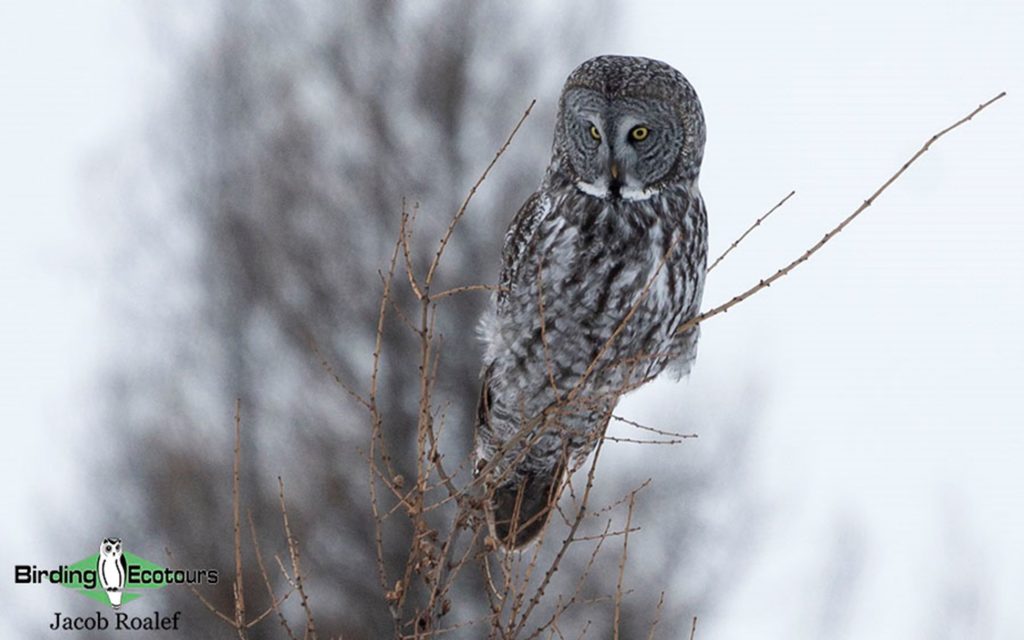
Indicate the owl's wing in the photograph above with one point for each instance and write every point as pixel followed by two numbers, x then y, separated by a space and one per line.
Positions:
pixel 124 570
pixel 518 239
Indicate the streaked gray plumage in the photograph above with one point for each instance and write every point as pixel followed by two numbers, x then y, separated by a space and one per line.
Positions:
pixel 599 269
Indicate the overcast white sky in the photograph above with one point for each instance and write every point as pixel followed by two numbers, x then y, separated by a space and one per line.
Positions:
pixel 891 444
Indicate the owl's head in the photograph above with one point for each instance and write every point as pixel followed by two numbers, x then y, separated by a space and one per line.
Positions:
pixel 111 548
pixel 627 127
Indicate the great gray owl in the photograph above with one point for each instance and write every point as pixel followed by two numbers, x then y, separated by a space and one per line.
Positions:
pixel 600 268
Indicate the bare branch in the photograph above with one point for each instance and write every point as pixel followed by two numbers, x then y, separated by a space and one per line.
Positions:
pixel 464 289
pixel 404 232
pixel 275 603
pixel 622 566
pixel 660 432
pixel 326 366
pixel 472 192
pixel 235 508
pixel 767 282
pixel 657 616
pixel 757 223
pixel 206 603
pixel 293 552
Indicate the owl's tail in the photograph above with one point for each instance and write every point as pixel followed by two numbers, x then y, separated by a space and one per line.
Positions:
pixel 521 509
pixel 519 506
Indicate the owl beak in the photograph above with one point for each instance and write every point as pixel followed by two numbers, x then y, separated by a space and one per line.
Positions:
pixel 614 185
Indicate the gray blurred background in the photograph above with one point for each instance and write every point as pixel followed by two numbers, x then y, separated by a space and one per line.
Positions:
pixel 190 195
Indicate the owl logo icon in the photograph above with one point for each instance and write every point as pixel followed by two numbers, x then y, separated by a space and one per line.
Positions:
pixel 112 570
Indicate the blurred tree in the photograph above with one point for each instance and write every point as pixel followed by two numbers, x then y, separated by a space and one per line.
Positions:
pixel 275 175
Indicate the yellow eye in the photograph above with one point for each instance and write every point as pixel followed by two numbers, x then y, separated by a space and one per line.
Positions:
pixel 594 133
pixel 639 134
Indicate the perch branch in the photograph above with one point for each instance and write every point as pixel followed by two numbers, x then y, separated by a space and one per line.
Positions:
pixel 767 282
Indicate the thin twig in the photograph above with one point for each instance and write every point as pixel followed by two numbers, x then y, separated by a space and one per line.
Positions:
pixel 464 289
pixel 563 607
pixel 660 432
pixel 293 552
pixel 275 604
pixel 639 441
pixel 235 509
pixel 404 234
pixel 624 499
pixel 402 315
pixel 377 442
pixel 472 191
pixel 206 603
pixel 622 567
pixel 657 616
pixel 750 229
pixel 553 567
pixel 331 372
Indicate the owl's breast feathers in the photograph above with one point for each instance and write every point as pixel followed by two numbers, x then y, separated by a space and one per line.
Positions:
pixel 597 286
